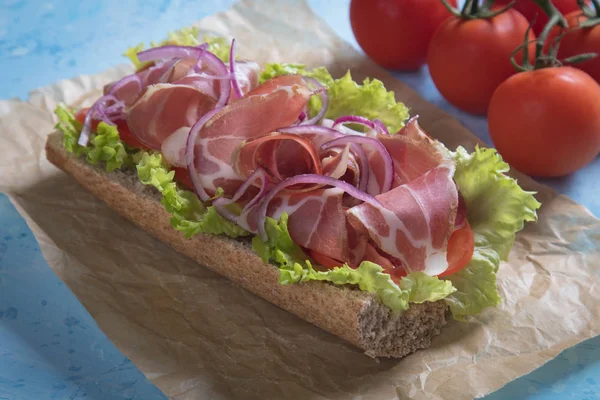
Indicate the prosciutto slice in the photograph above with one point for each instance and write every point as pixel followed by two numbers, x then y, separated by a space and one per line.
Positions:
pixel 163 109
pixel 272 105
pixel 415 221
pixel 316 220
pixel 281 155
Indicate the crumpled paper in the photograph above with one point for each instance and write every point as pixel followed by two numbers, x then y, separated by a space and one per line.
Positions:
pixel 195 335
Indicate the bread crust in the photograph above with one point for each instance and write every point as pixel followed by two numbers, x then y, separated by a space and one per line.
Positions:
pixel 355 316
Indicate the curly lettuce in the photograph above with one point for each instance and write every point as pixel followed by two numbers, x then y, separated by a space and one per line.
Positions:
pixel 346 97
pixel 188 214
pixel 184 37
pixel 105 146
pixel 294 267
pixel 497 208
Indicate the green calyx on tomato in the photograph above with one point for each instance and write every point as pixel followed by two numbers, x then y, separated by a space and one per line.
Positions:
pixel 471 9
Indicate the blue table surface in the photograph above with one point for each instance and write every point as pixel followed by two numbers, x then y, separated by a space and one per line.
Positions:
pixel 50 347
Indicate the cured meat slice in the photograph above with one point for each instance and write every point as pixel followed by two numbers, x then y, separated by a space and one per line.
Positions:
pixel 281 155
pixel 415 220
pixel 163 109
pixel 260 112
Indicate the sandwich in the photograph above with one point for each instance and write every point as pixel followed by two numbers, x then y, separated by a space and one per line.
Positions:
pixel 322 195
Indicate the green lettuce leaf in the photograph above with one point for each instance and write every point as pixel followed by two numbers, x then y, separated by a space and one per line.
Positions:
pixel 105 145
pixel 346 97
pixel 71 128
pixel 369 277
pixel 497 209
pixel 184 37
pixel 188 214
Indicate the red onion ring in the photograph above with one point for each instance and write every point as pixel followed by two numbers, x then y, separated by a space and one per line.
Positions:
pixel 304 179
pixel 380 127
pixel 199 52
pixel 324 102
pixel 189 154
pixel 375 125
pixel 171 51
pixel 234 82
pixel 379 147
pixel 221 202
pixel 84 137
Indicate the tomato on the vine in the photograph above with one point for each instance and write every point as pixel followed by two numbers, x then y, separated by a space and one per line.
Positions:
pixel 396 33
pixel 578 41
pixel 532 11
pixel 546 122
pixel 470 58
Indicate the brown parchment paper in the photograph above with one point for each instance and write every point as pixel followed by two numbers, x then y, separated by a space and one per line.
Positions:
pixel 196 336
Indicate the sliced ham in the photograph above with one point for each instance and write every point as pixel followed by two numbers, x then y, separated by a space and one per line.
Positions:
pixel 415 221
pixel 163 109
pixel 281 155
pixel 173 147
pixel 272 105
pixel 316 220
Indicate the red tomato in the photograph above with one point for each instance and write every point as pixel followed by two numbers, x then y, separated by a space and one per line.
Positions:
pixel 461 246
pixel 579 41
pixel 546 122
pixel 124 133
pixel 182 176
pixel 324 261
pixel 396 33
pixel 469 59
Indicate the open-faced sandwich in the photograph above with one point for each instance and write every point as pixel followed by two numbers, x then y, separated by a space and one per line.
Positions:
pixel 319 194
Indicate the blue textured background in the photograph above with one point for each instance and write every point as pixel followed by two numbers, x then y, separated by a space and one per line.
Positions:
pixel 50 347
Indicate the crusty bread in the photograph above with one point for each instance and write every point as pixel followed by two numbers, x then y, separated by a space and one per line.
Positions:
pixel 355 316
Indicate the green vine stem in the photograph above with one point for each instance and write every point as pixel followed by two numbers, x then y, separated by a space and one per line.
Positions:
pixel 473 10
pixel 592 13
pixel 556 19
pixel 549 59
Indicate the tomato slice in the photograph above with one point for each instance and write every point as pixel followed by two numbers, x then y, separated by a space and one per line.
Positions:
pixel 126 135
pixel 460 249
pixel 182 176
pixel 325 261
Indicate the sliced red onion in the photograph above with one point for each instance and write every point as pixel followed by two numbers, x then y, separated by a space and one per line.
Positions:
pixel 222 202
pixel 96 109
pixel 204 56
pixel 218 67
pixel 380 127
pixel 171 51
pixel 165 76
pixel 189 154
pixel 213 77
pixel 402 130
pixel 324 101
pixel 309 179
pixel 116 108
pixel 364 172
pixel 378 146
pixel 310 129
pixel 355 119
pixel 234 82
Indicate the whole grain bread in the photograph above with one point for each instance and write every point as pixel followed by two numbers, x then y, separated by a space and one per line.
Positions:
pixel 355 316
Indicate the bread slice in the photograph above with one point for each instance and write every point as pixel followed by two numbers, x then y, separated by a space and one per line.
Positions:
pixel 355 316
